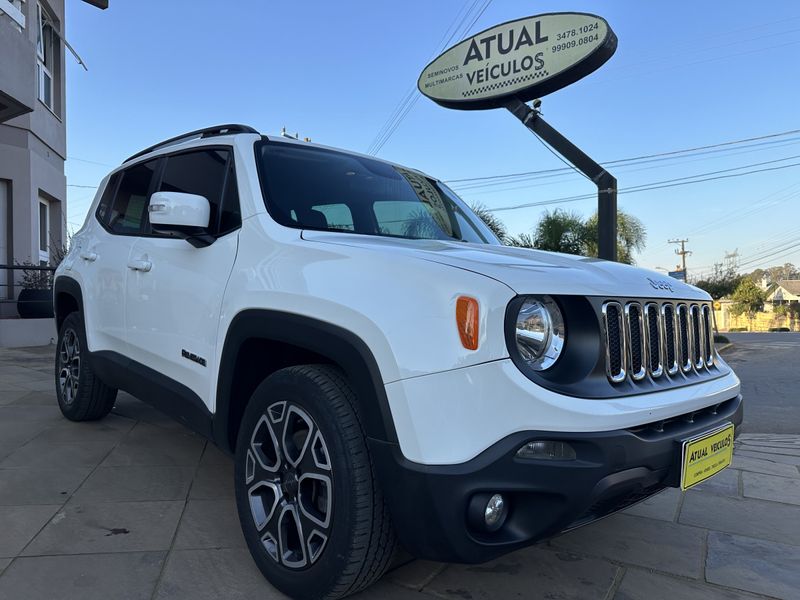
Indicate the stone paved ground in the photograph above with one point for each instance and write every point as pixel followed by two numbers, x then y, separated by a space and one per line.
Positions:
pixel 137 507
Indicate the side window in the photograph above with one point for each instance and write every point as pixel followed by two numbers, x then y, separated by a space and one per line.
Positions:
pixel 128 211
pixel 231 217
pixel 104 207
pixel 199 172
pixel 338 216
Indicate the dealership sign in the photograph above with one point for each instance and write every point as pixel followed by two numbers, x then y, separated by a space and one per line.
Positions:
pixel 524 59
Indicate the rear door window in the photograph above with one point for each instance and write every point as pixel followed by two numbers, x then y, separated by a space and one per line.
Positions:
pixel 128 210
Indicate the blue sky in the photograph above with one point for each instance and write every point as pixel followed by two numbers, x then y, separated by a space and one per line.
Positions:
pixel 685 74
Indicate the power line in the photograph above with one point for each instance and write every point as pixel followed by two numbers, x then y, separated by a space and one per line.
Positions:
pixel 91 162
pixel 494 188
pixel 634 158
pixel 412 97
pixel 657 185
pixel 750 209
pixel 780 249
pixel 408 102
pixel 689 46
pixel 559 157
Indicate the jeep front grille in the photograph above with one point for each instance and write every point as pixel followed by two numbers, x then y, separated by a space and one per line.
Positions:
pixel 656 339
pixel 615 341
pixel 683 337
pixel 670 331
pixel 635 338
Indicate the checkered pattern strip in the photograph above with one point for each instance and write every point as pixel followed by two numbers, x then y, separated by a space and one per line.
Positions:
pixel 506 83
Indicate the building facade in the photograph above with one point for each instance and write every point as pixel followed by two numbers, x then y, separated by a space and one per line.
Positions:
pixel 33 137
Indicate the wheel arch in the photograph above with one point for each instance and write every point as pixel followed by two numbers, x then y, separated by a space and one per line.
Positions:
pixel 67 298
pixel 285 339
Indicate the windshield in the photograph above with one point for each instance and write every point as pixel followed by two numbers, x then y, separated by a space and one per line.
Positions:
pixel 315 188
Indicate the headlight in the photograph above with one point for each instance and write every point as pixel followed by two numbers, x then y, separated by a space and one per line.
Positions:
pixel 540 332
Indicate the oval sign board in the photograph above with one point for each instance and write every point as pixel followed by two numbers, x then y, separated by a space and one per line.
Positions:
pixel 523 59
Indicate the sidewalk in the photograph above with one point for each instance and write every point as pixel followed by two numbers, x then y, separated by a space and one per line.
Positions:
pixel 137 507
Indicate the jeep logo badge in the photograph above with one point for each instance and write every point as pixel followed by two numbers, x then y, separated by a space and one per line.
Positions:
pixel 660 284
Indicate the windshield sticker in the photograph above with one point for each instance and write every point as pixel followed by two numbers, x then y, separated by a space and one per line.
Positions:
pixel 430 198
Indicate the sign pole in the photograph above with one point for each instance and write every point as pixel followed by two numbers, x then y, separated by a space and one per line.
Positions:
pixel 522 60
pixel 606 183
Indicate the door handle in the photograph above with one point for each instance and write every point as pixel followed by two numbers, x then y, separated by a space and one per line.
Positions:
pixel 140 265
pixel 89 256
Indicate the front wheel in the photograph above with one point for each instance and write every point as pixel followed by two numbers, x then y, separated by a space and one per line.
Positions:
pixel 81 395
pixel 311 510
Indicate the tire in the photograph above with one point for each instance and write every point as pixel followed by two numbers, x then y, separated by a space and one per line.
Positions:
pixel 303 466
pixel 81 395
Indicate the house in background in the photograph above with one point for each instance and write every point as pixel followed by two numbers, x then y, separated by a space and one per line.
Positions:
pixel 33 145
pixel 781 310
pixel 783 293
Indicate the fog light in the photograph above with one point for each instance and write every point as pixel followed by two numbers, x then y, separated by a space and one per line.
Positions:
pixel 495 512
pixel 547 450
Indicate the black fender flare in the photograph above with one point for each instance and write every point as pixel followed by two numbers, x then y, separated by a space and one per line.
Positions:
pixel 66 285
pixel 340 346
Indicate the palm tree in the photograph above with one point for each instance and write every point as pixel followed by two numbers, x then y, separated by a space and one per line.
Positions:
pixel 491 220
pixel 561 231
pixel 631 237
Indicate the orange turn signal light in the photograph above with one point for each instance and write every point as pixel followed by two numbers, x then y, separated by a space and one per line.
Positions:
pixel 467 320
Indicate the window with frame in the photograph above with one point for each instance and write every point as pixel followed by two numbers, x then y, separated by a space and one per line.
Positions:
pixel 337 216
pixel 127 213
pixel 16 14
pixel 208 173
pixel 106 200
pixel 231 215
pixel 316 188
pixel 45 54
pixel 44 231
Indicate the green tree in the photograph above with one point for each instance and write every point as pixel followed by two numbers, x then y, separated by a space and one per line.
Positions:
pixel 781 272
pixel 491 220
pixel 564 231
pixel 747 299
pixel 557 231
pixel 722 283
pixel 775 274
pixel 631 236
pixel 523 240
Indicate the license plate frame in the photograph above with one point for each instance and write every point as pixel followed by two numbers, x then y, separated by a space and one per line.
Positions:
pixel 700 460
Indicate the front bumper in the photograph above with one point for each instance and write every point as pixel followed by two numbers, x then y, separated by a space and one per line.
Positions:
pixel 612 470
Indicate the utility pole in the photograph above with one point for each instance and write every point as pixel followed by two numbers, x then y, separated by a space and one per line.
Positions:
pixel 682 253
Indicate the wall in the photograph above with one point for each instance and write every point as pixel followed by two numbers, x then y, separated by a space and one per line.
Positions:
pixel 33 146
pixel 17 80
pixel 762 321
pixel 18 333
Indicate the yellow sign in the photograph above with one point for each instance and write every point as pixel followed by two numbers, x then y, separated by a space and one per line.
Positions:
pixel 717 305
pixel 706 455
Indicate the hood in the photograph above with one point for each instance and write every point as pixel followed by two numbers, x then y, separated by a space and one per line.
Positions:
pixel 528 271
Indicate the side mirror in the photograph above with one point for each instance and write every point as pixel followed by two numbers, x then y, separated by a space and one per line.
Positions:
pixel 182 215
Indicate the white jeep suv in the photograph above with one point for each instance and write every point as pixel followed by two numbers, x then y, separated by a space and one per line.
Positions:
pixel 381 368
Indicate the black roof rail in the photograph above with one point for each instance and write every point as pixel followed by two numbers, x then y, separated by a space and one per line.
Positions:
pixel 200 133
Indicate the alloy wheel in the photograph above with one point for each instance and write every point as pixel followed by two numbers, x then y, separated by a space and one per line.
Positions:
pixel 289 481
pixel 69 363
